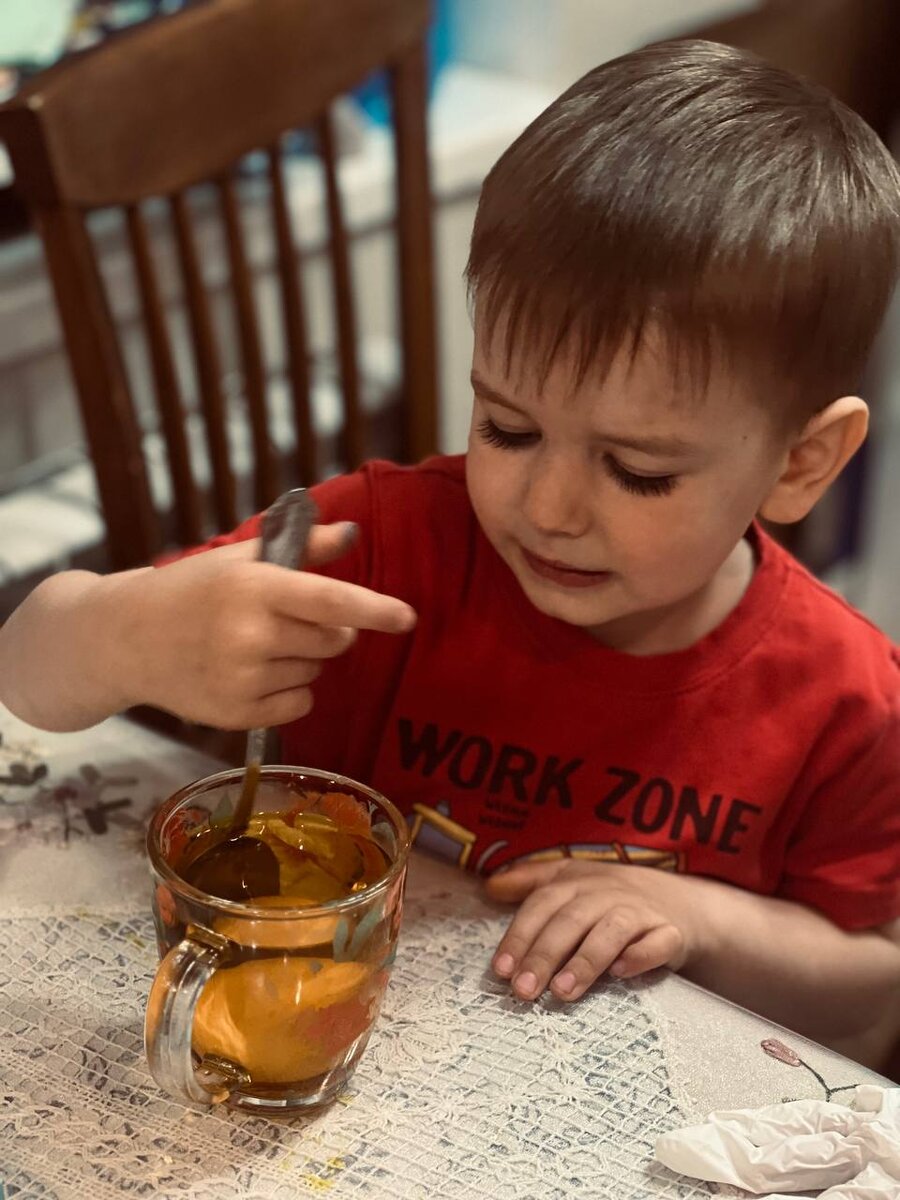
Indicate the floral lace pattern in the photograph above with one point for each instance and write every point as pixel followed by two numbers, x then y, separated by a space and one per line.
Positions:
pixel 74 810
pixel 463 1091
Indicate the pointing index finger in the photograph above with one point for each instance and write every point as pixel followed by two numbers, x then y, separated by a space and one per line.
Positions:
pixel 320 600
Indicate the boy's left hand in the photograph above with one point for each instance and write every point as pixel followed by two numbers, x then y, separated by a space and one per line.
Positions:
pixel 579 919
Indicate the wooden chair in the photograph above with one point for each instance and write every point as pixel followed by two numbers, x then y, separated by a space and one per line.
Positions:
pixel 149 116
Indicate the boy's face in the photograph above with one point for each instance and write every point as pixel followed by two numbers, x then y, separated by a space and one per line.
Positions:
pixel 620 501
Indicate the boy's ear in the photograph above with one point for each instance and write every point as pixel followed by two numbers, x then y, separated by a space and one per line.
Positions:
pixel 816 456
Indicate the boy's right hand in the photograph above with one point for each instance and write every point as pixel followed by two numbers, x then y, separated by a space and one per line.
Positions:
pixel 224 639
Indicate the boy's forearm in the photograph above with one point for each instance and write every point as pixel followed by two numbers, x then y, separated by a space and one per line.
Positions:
pixel 795 966
pixel 63 655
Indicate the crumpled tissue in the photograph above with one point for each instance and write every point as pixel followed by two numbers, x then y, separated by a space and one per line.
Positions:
pixel 852 1149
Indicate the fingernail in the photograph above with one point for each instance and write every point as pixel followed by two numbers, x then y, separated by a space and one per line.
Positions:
pixel 409 618
pixel 565 982
pixel 351 532
pixel 618 969
pixel 504 964
pixel 526 984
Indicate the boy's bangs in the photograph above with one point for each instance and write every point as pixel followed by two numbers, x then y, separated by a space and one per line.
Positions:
pixel 768 322
pixel 540 321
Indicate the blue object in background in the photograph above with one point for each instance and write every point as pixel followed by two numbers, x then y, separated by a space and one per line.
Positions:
pixel 373 97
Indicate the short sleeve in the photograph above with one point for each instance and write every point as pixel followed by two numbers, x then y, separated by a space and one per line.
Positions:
pixel 844 857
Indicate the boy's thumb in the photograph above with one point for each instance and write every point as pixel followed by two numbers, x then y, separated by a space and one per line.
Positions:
pixel 327 542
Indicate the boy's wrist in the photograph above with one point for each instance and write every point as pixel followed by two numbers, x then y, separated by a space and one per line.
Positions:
pixel 93 670
pixel 57 657
pixel 700 908
pixel 113 611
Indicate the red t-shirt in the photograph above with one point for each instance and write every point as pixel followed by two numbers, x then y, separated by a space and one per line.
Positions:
pixel 766 755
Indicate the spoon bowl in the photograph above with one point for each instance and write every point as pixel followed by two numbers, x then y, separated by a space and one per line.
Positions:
pixel 238 868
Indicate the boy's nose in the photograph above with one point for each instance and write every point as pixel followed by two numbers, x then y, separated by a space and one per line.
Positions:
pixel 555 501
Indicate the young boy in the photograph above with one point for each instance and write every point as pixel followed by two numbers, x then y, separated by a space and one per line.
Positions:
pixel 684 748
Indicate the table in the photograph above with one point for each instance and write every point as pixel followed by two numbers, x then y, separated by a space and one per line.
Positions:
pixel 463 1091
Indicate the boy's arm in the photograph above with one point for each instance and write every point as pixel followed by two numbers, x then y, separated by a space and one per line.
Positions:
pixel 774 956
pixel 63 663
pixel 218 638
pixel 794 965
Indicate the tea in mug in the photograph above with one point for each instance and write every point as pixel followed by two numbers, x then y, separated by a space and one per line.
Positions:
pixel 296 996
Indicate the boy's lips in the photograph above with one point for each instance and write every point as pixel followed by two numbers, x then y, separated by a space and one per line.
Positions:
pixel 562 573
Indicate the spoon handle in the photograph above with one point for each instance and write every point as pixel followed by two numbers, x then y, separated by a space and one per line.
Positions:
pixel 286 527
pixel 285 531
pixel 256 747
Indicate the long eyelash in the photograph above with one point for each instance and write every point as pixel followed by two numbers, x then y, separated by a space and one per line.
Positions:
pixel 495 436
pixel 641 485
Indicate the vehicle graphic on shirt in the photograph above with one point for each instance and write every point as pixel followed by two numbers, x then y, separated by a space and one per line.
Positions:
pixel 434 829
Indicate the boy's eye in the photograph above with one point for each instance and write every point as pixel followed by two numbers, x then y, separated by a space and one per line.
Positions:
pixel 506 439
pixel 640 485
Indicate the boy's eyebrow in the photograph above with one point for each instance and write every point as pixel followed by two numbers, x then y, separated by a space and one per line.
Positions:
pixel 663 446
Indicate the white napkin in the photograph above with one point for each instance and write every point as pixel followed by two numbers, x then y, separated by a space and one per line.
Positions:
pixel 852 1149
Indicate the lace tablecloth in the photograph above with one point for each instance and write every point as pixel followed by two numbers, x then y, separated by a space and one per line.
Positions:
pixel 463 1091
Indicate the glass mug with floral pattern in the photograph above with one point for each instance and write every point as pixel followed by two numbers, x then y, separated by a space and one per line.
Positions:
pixel 267 1001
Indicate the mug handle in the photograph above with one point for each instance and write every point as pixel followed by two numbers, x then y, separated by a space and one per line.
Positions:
pixel 168 1027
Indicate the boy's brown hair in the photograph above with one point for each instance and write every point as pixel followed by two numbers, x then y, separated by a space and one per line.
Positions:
pixel 742 211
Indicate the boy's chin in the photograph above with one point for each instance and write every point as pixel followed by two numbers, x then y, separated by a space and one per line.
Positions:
pixel 585 608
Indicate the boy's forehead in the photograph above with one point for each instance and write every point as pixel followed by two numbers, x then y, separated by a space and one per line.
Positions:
pixel 648 374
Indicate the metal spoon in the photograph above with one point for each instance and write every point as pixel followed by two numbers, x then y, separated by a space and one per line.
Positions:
pixel 238 867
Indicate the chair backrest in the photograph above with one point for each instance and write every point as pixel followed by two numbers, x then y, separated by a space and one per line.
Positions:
pixel 168 113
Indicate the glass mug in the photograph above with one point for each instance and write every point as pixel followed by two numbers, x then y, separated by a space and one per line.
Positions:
pixel 268 1004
